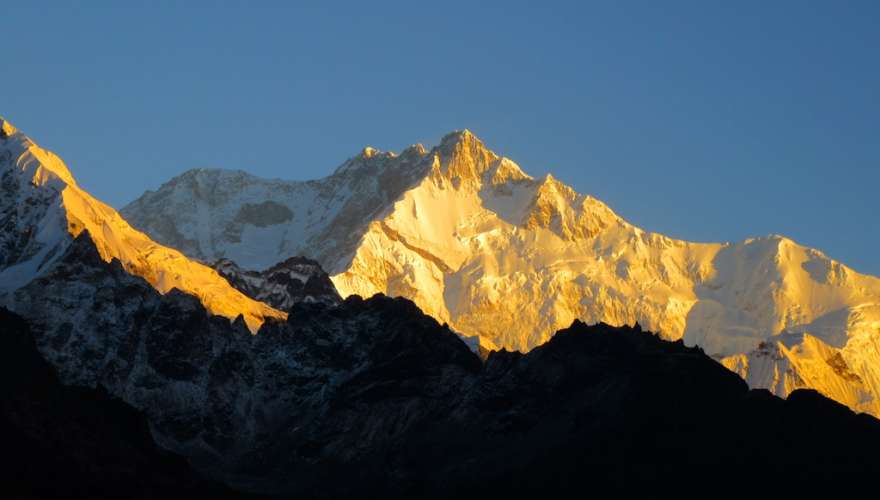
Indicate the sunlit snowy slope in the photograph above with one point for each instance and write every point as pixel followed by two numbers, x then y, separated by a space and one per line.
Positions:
pixel 42 210
pixel 478 243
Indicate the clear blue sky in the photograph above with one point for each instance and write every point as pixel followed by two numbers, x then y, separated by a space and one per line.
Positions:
pixel 711 121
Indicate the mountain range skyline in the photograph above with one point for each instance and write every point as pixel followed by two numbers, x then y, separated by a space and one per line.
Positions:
pixel 307 250
pixel 867 263
pixel 501 257
pixel 507 259
pixel 761 115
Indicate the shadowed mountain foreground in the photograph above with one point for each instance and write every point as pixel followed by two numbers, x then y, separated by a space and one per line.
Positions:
pixel 372 398
pixel 72 442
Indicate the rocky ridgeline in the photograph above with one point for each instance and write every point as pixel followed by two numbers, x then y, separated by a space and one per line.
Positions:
pixel 372 398
pixel 283 285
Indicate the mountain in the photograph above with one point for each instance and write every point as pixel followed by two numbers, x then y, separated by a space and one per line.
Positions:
pixel 42 210
pixel 283 285
pixel 71 442
pixel 479 244
pixel 257 223
pixel 374 399
pixel 211 390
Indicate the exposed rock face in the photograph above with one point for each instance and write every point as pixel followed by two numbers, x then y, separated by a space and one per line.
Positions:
pixel 101 326
pixel 211 389
pixel 295 280
pixel 71 442
pixel 478 244
pixel 374 398
pixel 42 210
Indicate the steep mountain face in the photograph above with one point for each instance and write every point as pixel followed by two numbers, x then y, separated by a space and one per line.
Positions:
pixel 42 210
pixel 69 442
pixel 374 399
pixel 212 391
pixel 258 222
pixel 477 243
pixel 295 280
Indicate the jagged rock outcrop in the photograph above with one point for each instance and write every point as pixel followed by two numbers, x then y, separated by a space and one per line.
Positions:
pixel 283 285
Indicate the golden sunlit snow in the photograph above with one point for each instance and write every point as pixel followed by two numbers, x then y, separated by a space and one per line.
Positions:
pixel 163 267
pixel 495 253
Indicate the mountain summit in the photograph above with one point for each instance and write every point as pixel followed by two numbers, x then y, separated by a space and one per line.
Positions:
pixel 477 243
pixel 42 210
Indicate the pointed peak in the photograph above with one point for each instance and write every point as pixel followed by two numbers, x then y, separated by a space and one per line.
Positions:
pixel 548 183
pixel 505 170
pixel 47 168
pixel 463 136
pixel 6 128
pixel 572 216
pixel 462 157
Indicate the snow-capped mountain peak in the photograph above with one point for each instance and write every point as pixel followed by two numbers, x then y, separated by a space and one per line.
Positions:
pixel 42 210
pixel 6 128
pixel 503 171
pixel 479 244
pixel 36 164
pixel 462 158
